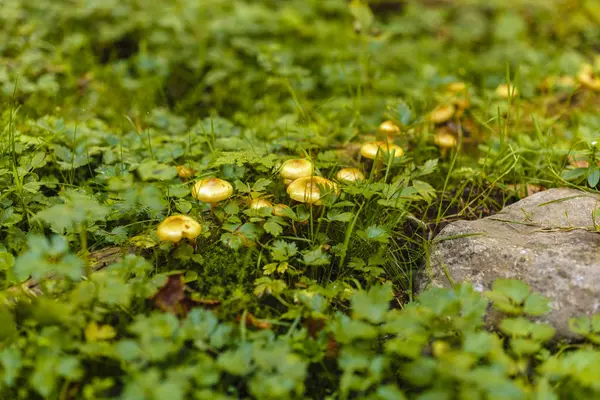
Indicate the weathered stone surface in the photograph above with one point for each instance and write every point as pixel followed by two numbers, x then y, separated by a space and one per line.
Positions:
pixel 547 240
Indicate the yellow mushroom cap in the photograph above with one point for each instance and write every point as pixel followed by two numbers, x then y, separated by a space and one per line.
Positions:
pixel 587 79
pixel 184 172
pixel 444 139
pixel 442 113
pixel 306 189
pixel 456 87
pixel 350 175
pixel 260 203
pixel 294 169
pixel 504 90
pixel 389 128
pixel 212 190
pixel 177 227
pixel 279 210
pixel 371 150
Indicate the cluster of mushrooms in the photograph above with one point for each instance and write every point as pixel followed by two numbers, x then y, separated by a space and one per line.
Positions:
pixel 305 187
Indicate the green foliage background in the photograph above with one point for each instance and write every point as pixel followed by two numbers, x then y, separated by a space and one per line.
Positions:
pixel 101 99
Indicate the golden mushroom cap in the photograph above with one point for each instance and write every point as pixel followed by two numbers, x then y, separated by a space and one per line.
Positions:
pixel 587 79
pixel 184 172
pixel 212 190
pixel 389 128
pixel 350 175
pixel 177 227
pixel 294 169
pixel 259 203
pixel 505 91
pixel 306 189
pixel 442 113
pixel 279 210
pixel 444 139
pixel 371 150
pixel 456 87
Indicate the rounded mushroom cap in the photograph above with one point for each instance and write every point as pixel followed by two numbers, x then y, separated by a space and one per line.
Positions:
pixel 587 79
pixel 177 227
pixel 184 172
pixel 259 203
pixel 350 175
pixel 389 128
pixel 212 190
pixel 442 113
pixel 504 90
pixel 294 169
pixel 456 87
pixel 306 189
pixel 371 150
pixel 279 210
pixel 444 139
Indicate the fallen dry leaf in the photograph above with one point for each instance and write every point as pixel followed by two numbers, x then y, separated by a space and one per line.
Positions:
pixel 251 320
pixel 169 298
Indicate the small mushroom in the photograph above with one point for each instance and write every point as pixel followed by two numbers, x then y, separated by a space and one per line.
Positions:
pixel 184 172
pixel 389 128
pixel 456 87
pixel 212 190
pixel 177 227
pixel 349 175
pixel 587 79
pixel 444 139
pixel 373 150
pixel 294 169
pixel 306 189
pixel 442 113
pixel 257 204
pixel 505 91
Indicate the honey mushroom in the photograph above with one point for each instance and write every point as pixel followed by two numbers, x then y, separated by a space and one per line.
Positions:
pixel 184 172
pixel 212 190
pixel 294 169
pixel 587 79
pixel 444 140
pixel 306 189
pixel 350 175
pixel 442 113
pixel 374 150
pixel 257 204
pixel 176 227
pixel 389 129
pixel 505 91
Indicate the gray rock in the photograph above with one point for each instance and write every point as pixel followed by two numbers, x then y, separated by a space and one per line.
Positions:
pixel 547 240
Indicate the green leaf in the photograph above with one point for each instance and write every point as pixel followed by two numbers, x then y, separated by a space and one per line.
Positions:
pixel 337 215
pixel 7 260
pixel 375 233
pixel 405 114
pixel 11 361
pixel 282 250
pixel 515 290
pixel 152 170
pixel 593 176
pixel 372 305
pixel 536 305
pixel 273 227
pixel 315 257
pixel 237 362
pixel 261 185
pixel 362 13
pixel 8 324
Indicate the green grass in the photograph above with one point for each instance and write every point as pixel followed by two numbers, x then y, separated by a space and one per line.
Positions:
pixel 101 100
